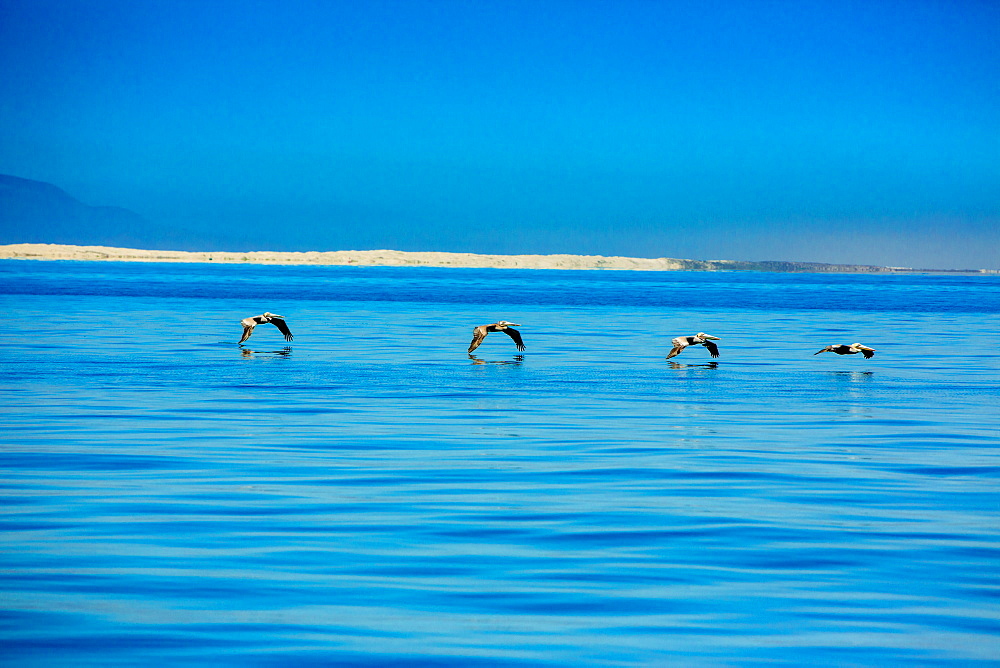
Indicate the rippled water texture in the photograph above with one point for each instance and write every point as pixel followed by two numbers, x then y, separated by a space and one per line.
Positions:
pixel 370 494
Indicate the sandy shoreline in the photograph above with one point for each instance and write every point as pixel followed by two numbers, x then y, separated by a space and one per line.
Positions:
pixel 380 258
pixel 391 258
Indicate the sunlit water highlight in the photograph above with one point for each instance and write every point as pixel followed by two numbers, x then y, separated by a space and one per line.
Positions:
pixel 370 494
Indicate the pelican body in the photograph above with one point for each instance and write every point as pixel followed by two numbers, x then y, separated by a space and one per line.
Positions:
pixel 699 339
pixel 276 320
pixel 852 349
pixel 479 333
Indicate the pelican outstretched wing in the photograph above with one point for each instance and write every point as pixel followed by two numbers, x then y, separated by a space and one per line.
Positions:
pixel 825 350
pixel 516 335
pixel 478 334
pixel 867 352
pixel 282 327
pixel 675 351
pixel 712 348
pixel 247 331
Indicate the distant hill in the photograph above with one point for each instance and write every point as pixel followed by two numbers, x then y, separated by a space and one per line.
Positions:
pixel 39 212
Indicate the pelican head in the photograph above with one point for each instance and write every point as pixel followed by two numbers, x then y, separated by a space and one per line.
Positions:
pixel 268 314
pixel 508 324
pixel 703 335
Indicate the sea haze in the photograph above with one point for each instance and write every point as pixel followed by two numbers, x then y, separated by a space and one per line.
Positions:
pixel 370 493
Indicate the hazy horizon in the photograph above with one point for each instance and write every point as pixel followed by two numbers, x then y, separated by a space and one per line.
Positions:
pixel 845 133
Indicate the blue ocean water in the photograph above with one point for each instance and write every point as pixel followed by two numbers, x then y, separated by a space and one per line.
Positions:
pixel 370 494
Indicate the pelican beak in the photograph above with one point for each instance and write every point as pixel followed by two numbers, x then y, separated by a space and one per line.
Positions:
pixel 513 324
pixel 714 338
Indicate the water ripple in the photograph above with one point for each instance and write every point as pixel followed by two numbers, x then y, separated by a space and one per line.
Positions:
pixel 358 500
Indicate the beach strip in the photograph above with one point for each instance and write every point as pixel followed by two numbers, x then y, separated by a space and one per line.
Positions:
pixel 394 258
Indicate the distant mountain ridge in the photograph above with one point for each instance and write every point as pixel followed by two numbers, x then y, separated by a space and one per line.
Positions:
pixel 39 212
pixel 35 211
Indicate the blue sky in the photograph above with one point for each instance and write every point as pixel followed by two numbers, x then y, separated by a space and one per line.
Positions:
pixel 828 131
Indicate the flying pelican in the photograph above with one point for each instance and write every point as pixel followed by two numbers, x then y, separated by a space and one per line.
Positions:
pixel 852 349
pixel 701 338
pixel 479 333
pixel 276 320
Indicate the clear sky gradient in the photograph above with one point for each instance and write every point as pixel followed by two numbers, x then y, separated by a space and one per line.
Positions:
pixel 854 132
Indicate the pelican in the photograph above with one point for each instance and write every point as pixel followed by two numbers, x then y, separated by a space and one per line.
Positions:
pixel 701 338
pixel 276 320
pixel 852 349
pixel 479 333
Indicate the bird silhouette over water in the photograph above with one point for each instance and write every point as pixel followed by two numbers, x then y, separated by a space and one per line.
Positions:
pixel 852 349
pixel 253 321
pixel 699 339
pixel 479 333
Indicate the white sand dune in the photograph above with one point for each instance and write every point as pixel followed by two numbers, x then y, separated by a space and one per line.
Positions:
pixel 392 258
pixel 385 258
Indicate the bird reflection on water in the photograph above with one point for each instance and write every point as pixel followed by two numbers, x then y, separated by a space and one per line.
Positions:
pixel 853 376
pixel 706 365
pixel 284 352
pixel 518 359
pixel 855 393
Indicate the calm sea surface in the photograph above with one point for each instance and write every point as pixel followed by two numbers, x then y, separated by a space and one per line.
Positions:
pixel 370 494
